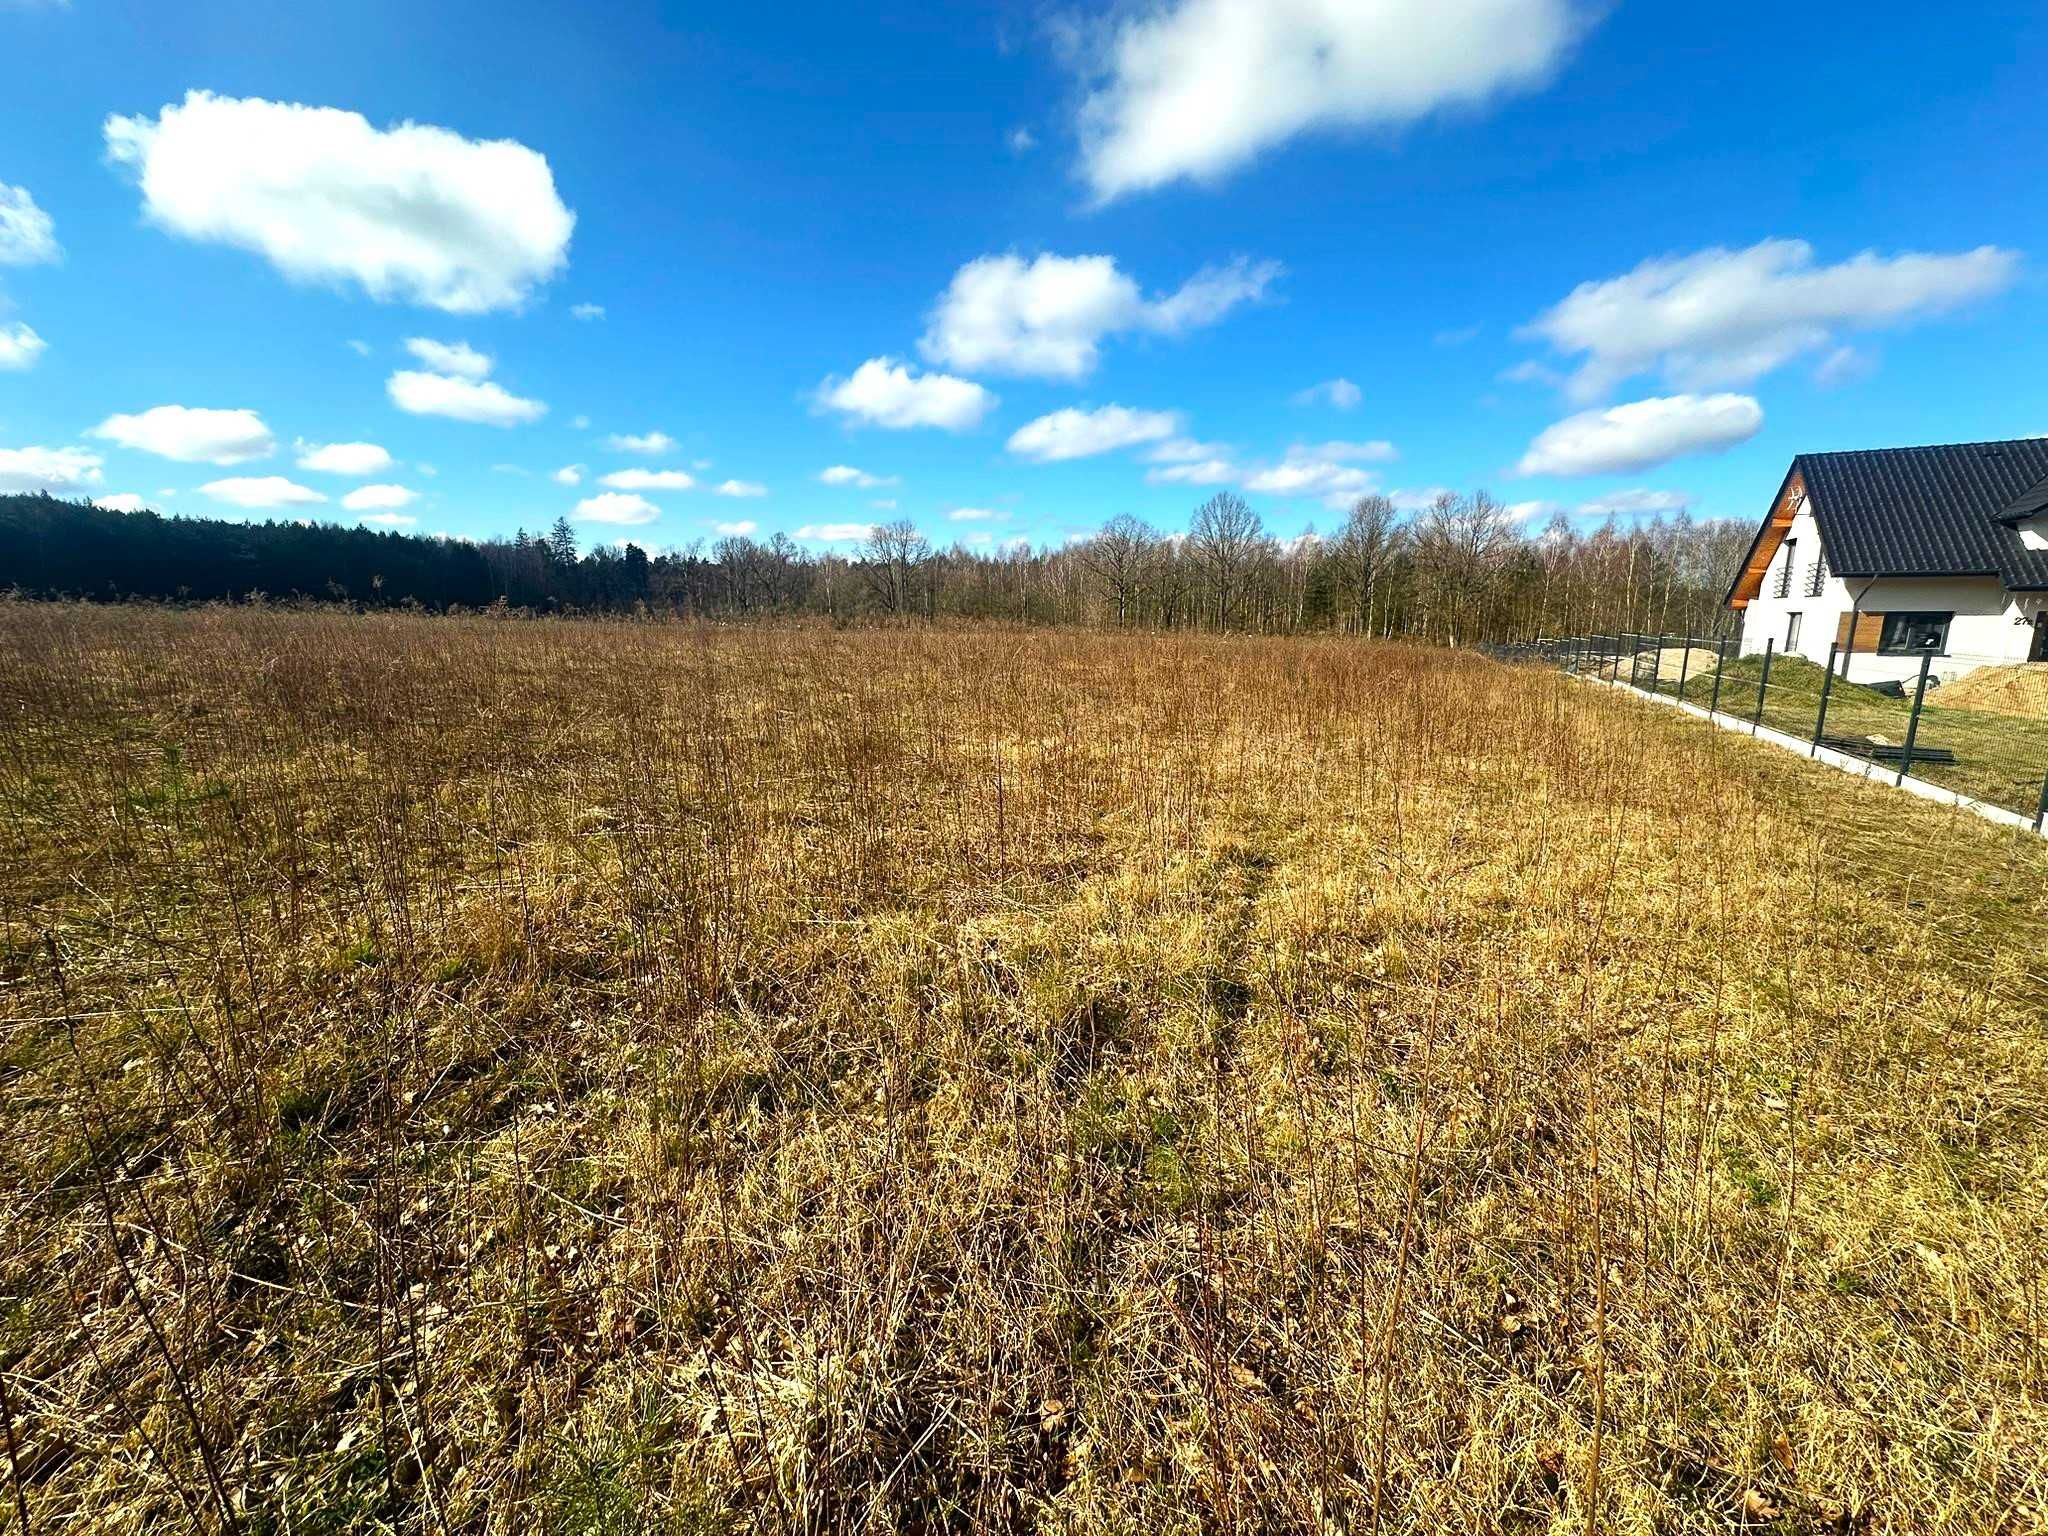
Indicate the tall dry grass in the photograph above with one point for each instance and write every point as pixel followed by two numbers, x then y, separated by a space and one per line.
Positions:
pixel 468 1075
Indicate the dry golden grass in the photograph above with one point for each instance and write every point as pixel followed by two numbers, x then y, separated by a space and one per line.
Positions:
pixel 497 1076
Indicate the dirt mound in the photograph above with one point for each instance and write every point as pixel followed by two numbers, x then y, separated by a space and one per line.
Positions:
pixel 2019 690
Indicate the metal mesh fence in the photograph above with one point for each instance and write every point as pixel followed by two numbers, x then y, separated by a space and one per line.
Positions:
pixel 1986 743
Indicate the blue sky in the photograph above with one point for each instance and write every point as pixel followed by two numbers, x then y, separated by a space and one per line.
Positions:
pixel 1039 263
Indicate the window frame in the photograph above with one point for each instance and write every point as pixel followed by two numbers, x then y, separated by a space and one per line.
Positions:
pixel 1904 617
pixel 1794 623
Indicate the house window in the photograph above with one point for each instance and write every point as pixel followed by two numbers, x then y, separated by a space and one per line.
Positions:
pixel 1792 630
pixel 1909 634
pixel 1784 587
pixel 1817 578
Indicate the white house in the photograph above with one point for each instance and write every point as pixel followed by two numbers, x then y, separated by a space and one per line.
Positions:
pixel 1895 552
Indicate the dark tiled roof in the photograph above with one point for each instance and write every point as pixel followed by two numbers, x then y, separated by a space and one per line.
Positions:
pixel 1929 511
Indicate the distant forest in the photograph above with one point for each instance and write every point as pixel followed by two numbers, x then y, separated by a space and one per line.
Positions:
pixel 1460 571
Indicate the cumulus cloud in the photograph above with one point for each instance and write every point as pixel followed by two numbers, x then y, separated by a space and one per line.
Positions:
pixel 834 533
pixel 192 435
pixel 19 348
pixel 380 498
pixel 390 519
pixel 1328 479
pixel 974 515
pixel 1636 436
pixel 648 480
pixel 1194 89
pixel 483 403
pixel 1185 450
pixel 1078 434
pixel 587 311
pixel 124 501
pixel 355 459
pixel 56 470
pixel 1339 393
pixel 457 358
pixel 360 348
pixel 568 474
pixel 738 530
pixel 743 489
pixel 412 212
pixel 27 235
pixel 1722 317
pixel 1048 317
pixel 617 507
pixel 646 442
pixel 846 474
pixel 259 492
pixel 886 393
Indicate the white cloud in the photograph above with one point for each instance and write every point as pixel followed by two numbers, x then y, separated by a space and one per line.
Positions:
pixel 360 348
pixel 436 394
pixel 975 515
pixel 1377 451
pixel 57 470
pixel 379 498
pixel 1021 141
pixel 835 533
pixel 886 393
pixel 19 348
pixel 648 480
pixel 1724 317
pixel 1530 511
pixel 1417 500
pixel 1636 436
pixel 1457 336
pixel 615 507
pixel 412 212
pixel 1196 472
pixel 192 436
pixel 738 530
pixel 261 491
pixel 1077 434
pixel 587 311
pixel 1196 88
pixel 1340 393
pixel 457 358
pixel 356 459
pixel 1844 365
pixel 125 501
pixel 1048 317
pixel 568 474
pixel 743 489
pixel 884 503
pixel 1185 450
pixel 27 235
pixel 846 474
pixel 646 442
pixel 1326 478
pixel 1634 503
pixel 390 519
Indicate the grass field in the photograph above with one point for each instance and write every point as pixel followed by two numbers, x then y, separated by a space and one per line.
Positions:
pixel 500 1076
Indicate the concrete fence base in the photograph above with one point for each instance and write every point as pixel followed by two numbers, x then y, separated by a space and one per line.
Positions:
pixel 1861 767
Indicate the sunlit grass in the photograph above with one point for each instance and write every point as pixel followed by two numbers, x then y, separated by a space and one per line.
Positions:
pixel 513 1076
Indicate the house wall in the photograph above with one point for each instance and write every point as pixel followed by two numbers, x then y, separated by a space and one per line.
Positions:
pixel 1991 627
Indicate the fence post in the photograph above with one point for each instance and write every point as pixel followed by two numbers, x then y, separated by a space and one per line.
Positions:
pixel 1657 667
pixel 1762 684
pixel 1720 666
pixel 1684 666
pixel 1913 725
pixel 2041 811
pixel 1635 658
pixel 1827 683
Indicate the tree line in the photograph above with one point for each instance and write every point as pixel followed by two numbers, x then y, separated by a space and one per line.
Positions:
pixel 1459 571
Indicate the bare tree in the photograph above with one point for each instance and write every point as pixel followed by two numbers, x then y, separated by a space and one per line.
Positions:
pixel 1361 551
pixel 1224 539
pixel 891 556
pixel 1118 556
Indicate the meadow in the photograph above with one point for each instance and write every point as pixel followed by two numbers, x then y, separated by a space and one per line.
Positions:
pixel 487 1075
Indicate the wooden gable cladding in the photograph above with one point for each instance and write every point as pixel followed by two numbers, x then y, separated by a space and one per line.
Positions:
pixel 1750 584
pixel 1869 630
